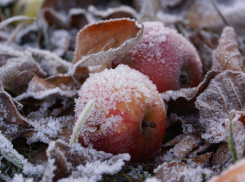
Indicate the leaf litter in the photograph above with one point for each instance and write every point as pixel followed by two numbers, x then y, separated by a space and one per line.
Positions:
pixel 74 40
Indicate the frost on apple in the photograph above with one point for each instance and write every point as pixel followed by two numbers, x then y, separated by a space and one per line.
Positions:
pixel 101 88
pixel 67 163
pixel 224 93
pixel 227 55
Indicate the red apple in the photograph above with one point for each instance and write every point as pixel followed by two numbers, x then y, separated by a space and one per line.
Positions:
pixel 169 60
pixel 128 116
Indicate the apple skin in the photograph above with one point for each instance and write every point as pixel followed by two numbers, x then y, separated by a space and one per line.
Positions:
pixel 164 55
pixel 123 100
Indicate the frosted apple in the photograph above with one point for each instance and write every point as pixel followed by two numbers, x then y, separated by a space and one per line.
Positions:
pixel 128 116
pixel 169 60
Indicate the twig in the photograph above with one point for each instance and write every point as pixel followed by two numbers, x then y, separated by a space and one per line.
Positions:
pixel 219 12
pixel 13 34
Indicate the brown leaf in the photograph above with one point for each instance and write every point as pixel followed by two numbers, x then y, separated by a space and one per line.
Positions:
pixel 112 13
pixel 187 144
pixel 227 55
pixel 12 122
pixel 102 42
pixel 55 19
pixel 39 88
pixel 15 70
pixel 78 18
pixel 202 159
pixel 224 93
pixel 181 172
pixel 19 82
pixel 221 156
pixel 181 103
pixel 76 162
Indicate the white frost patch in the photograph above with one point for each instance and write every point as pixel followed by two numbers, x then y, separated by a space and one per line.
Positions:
pixel 7 151
pixel 182 172
pixel 97 162
pixel 20 178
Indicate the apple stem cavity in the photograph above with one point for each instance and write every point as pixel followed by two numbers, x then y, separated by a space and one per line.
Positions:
pixel 81 119
pixel 149 124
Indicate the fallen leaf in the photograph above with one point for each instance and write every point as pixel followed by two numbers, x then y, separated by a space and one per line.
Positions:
pixel 76 162
pixel 223 94
pixel 12 123
pixel 102 42
pixel 227 55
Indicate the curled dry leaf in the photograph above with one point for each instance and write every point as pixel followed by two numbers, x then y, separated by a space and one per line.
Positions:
pixel 223 94
pixel 53 119
pixel 102 42
pixel 203 14
pixel 181 103
pixel 16 70
pixel 181 172
pixel 50 62
pixel 187 144
pixel 202 159
pixel 39 88
pixel 234 173
pixel 221 157
pixel 227 55
pixel 12 122
pixel 112 13
pixel 76 162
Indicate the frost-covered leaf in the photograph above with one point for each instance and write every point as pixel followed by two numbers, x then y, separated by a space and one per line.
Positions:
pixel 53 119
pixel 39 88
pixel 102 42
pixel 187 144
pixel 149 9
pixel 8 152
pixel 181 103
pixel 112 13
pixel 181 172
pixel 234 173
pixel 11 121
pixel 221 158
pixel 223 94
pixel 202 159
pixel 50 62
pixel 60 42
pixel 203 14
pixel 67 163
pixel 227 55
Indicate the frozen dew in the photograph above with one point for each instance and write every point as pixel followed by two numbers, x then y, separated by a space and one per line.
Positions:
pixel 107 89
